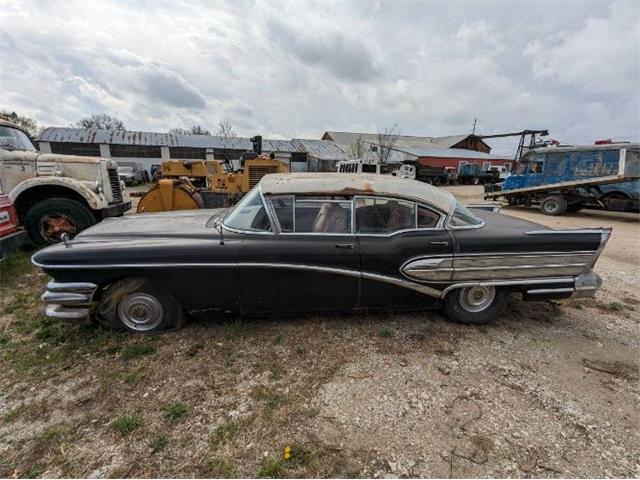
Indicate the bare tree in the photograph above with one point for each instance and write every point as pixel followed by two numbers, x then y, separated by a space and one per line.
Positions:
pixel 357 149
pixel 194 130
pixel 27 123
pixel 101 121
pixel 387 138
pixel 225 129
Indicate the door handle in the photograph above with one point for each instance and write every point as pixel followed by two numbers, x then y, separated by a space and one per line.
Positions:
pixel 349 246
pixel 444 244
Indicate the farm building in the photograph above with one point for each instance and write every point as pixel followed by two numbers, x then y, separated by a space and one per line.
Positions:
pixel 453 157
pixel 147 148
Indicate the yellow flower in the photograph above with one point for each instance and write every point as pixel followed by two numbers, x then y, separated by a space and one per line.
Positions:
pixel 287 453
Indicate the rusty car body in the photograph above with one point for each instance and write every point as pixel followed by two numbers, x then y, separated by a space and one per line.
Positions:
pixel 319 242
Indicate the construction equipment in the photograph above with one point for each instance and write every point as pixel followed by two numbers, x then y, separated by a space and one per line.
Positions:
pixel 189 185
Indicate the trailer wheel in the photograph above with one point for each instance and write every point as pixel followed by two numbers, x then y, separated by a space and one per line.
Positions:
pixel 553 205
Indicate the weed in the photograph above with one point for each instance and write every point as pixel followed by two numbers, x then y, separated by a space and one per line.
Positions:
pixel 18 304
pixel 384 333
pixel 174 411
pixel 299 455
pixel 193 350
pixel 613 306
pixel 137 350
pixel 131 377
pixel 225 432
pixel 52 331
pixel 52 433
pixel 271 468
pixel 300 350
pixel 4 339
pixel 34 471
pixel 236 328
pixel 218 468
pixel 277 340
pixel 126 424
pixel 271 399
pixel 159 443
pixel 575 304
pixel 13 414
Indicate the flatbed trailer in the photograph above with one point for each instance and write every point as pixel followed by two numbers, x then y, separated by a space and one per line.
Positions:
pixel 565 179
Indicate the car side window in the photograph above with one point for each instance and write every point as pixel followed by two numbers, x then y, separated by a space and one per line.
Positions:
pixel 322 216
pixel 427 218
pixel 384 215
pixel 283 208
pixel 249 214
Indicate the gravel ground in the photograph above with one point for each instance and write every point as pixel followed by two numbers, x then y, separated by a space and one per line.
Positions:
pixel 549 390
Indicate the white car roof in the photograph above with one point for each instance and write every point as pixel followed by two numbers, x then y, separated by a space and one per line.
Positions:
pixel 356 184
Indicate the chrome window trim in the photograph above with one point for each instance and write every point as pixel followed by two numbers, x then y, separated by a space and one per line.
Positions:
pixel 439 225
pixel 255 232
pixel 448 225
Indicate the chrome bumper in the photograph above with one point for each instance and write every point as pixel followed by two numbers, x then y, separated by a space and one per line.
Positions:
pixel 581 286
pixel 68 301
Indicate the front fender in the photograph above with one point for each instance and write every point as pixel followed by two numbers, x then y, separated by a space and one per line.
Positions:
pixel 96 201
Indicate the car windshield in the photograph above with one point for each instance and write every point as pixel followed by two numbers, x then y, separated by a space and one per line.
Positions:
pixel 464 218
pixel 14 139
pixel 249 214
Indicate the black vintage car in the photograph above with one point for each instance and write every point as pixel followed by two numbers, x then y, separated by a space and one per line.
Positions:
pixel 316 242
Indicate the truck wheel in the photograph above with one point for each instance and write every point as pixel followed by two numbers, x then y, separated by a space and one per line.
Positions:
pixel 553 205
pixel 475 180
pixel 47 220
pixel 136 305
pixel 476 305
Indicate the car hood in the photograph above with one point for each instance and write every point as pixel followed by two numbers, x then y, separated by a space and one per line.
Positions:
pixel 186 223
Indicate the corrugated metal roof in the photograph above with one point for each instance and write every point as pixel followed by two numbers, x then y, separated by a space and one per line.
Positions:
pixel 322 149
pixel 450 153
pixel 345 139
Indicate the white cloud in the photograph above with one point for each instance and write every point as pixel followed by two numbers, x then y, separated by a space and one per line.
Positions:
pixel 297 69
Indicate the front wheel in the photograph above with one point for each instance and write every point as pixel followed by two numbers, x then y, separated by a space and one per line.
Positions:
pixel 47 220
pixel 136 305
pixel 554 205
pixel 476 305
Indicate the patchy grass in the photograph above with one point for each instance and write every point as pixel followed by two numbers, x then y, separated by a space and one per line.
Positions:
pixel 236 329
pixel 126 424
pixel 34 471
pixel 218 468
pixel 384 333
pixel 13 268
pixel 159 443
pixel 612 306
pixel 13 414
pixel 225 432
pixel 271 468
pixel 137 350
pixel 270 398
pixel 175 411
pixel 193 350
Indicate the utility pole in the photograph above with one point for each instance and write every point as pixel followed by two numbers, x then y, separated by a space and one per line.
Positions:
pixel 474 126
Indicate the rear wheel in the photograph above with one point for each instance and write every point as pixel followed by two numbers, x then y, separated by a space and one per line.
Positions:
pixel 138 306
pixel 47 220
pixel 476 305
pixel 553 205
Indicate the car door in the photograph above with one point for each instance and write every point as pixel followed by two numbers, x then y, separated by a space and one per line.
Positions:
pixel 405 251
pixel 310 262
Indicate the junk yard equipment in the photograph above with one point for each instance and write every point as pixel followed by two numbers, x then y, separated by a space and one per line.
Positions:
pixel 564 179
pixel 208 183
pixel 55 194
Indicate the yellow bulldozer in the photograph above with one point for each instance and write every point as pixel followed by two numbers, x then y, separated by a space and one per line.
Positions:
pixel 188 185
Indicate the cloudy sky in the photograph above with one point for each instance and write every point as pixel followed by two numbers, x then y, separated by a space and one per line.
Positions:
pixel 296 69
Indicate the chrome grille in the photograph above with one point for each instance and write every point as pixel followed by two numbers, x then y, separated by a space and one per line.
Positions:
pixel 114 181
pixel 258 171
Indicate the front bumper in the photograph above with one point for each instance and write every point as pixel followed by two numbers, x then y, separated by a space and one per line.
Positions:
pixel 116 210
pixel 68 301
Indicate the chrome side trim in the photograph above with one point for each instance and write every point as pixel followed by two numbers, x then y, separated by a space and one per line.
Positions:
pixel 501 283
pixel 424 289
pixel 538 291
pixel 71 287
pixel 566 231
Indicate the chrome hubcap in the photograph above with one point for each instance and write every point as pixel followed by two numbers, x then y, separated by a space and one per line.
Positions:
pixel 551 205
pixel 140 311
pixel 476 299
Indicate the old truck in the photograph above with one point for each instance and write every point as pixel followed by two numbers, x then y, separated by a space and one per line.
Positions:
pixel 565 179
pixel 55 194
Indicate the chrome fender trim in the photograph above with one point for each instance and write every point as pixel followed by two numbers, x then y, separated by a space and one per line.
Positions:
pixel 503 283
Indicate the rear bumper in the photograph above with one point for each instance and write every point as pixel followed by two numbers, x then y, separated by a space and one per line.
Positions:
pixel 115 210
pixel 10 243
pixel 583 286
pixel 68 301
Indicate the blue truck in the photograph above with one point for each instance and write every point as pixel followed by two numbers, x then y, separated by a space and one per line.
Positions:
pixel 566 179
